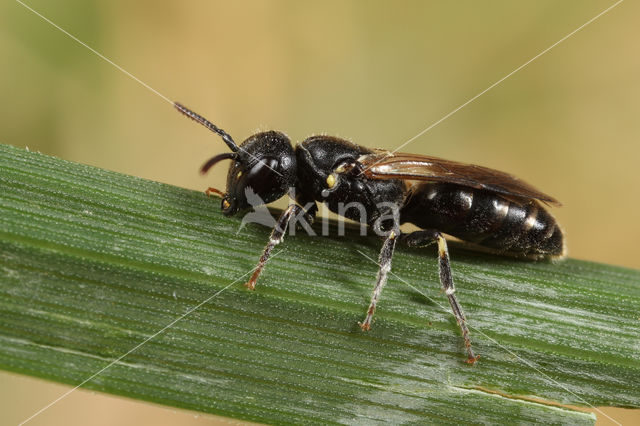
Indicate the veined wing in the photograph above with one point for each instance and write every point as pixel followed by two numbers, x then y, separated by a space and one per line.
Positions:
pixel 384 165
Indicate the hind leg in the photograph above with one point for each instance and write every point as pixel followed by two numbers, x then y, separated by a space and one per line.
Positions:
pixel 423 239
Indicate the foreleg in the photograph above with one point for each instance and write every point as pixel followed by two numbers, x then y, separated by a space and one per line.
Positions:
pixel 277 235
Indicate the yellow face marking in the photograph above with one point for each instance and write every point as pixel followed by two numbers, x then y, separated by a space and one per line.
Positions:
pixel 225 204
pixel 331 180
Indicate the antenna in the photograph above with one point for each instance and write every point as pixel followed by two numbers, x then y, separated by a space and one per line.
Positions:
pixel 209 125
pixel 213 160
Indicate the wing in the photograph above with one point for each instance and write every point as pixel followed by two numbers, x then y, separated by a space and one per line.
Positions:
pixel 385 165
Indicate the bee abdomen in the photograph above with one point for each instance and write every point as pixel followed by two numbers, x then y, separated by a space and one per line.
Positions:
pixel 529 229
pixel 486 218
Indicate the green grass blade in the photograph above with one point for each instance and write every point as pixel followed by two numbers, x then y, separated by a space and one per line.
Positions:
pixel 93 263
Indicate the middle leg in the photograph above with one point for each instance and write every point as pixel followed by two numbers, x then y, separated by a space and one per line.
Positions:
pixel 386 253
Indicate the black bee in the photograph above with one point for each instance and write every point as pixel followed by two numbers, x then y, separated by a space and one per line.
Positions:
pixel 491 209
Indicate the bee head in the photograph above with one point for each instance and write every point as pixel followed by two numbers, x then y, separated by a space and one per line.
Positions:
pixel 263 167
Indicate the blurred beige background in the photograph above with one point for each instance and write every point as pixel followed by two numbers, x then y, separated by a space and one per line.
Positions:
pixel 374 72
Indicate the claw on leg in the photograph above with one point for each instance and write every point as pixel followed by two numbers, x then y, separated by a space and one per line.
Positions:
pixel 472 360
pixel 251 284
pixel 365 326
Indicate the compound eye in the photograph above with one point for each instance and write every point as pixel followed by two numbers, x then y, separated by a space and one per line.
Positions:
pixel 261 176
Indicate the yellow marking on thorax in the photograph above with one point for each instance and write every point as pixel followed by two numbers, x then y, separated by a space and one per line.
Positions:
pixel 331 180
